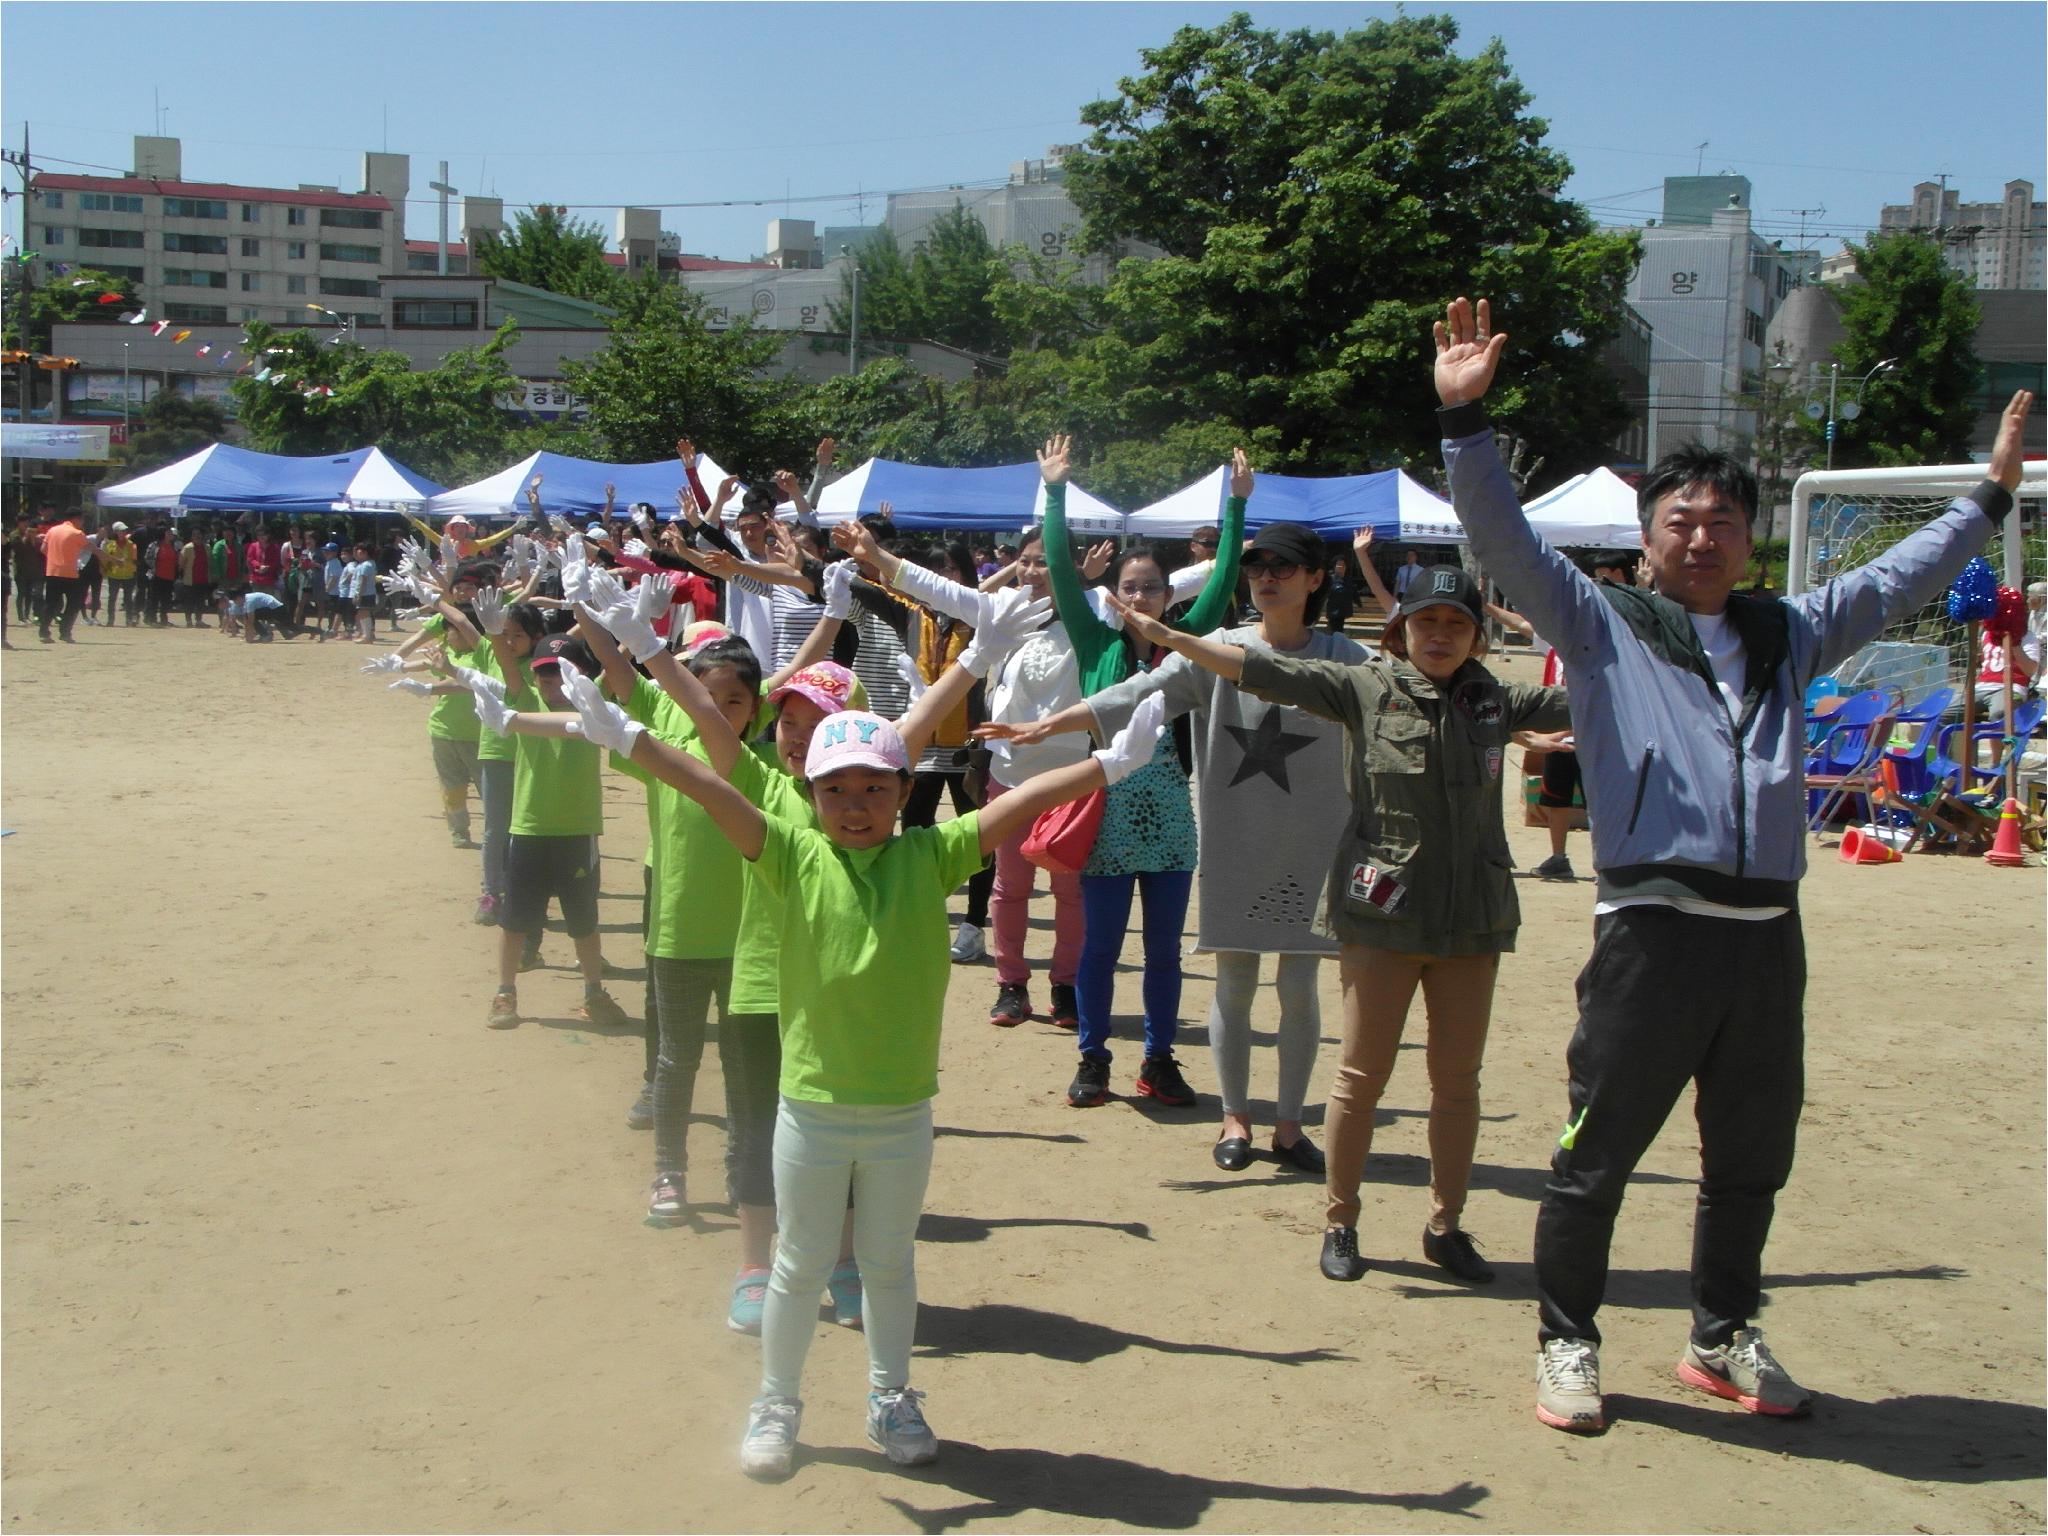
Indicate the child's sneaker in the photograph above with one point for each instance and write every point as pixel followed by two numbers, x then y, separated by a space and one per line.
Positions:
pixel 897 1429
pixel 529 957
pixel 641 1116
pixel 1066 1011
pixel 504 1012
pixel 843 1285
pixel 486 912
pixel 602 1009
pixel 770 1443
pixel 665 1200
pixel 749 1296
pixel 1159 1079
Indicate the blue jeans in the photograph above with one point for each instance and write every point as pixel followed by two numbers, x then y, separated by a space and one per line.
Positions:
pixel 1106 908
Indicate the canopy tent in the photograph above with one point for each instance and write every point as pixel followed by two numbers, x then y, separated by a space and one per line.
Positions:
pixel 574 487
pixel 228 479
pixel 1336 506
pixel 1589 511
pixel 1004 499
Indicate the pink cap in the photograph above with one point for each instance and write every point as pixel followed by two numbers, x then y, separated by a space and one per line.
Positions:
pixel 825 683
pixel 853 738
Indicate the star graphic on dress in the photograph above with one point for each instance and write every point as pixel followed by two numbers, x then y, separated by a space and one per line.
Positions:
pixel 1266 749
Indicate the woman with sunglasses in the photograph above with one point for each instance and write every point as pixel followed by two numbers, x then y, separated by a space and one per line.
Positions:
pixel 1267 773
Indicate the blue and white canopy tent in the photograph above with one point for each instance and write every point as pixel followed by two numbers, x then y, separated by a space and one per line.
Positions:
pixel 1000 500
pixel 226 479
pixel 574 487
pixel 1398 509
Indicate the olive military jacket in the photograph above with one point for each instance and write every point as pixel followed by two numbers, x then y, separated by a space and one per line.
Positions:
pixel 1421 862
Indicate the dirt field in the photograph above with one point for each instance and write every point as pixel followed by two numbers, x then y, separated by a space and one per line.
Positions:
pixel 293 1243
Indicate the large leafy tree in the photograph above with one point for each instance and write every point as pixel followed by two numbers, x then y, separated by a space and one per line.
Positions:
pixel 445 422
pixel 665 374
pixel 31 308
pixel 1911 306
pixel 172 426
pixel 545 248
pixel 1318 197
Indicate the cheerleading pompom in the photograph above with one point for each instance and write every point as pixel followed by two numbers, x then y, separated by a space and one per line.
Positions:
pixel 2008 620
pixel 1975 593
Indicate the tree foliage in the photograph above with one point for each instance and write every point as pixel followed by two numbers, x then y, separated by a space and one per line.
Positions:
pixel 32 308
pixel 1909 305
pixel 1318 198
pixel 172 426
pixel 545 248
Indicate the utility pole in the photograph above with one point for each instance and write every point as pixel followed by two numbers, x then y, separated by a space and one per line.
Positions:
pixel 853 326
pixel 446 192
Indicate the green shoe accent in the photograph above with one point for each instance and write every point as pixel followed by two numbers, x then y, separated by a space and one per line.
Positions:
pixel 1571 1132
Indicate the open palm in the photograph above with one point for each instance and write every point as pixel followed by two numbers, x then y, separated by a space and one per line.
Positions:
pixel 1467 351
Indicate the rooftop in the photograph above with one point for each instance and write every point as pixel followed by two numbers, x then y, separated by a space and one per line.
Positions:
pixel 55 182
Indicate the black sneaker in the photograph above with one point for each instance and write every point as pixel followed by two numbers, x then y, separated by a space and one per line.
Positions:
pixel 1066 1014
pixel 1340 1259
pixel 1091 1084
pixel 1160 1079
pixel 1556 867
pixel 1013 1005
pixel 1456 1252
pixel 641 1116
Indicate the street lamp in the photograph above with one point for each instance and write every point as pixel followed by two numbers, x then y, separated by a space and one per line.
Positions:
pixel 346 323
pixel 853 325
pixel 124 391
pixel 1850 409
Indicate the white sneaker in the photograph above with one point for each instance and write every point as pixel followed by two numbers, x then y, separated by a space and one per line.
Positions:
pixel 897 1428
pixel 771 1436
pixel 1744 1371
pixel 1568 1386
pixel 968 944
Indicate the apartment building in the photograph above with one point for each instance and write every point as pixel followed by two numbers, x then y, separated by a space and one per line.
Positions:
pixel 1995 245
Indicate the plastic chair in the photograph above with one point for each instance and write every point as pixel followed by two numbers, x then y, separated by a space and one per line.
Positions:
pixel 1960 774
pixel 1912 742
pixel 1847 762
pixel 1842 744
pixel 1817 724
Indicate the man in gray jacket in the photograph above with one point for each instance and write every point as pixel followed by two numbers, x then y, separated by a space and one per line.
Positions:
pixel 1687 706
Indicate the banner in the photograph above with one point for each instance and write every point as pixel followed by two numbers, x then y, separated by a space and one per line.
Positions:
pixel 28 440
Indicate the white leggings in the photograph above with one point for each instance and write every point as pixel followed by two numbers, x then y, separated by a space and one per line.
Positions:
pixel 1230 1028
pixel 884 1153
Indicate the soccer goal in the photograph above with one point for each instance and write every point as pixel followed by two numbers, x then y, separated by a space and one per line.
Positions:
pixel 1844 518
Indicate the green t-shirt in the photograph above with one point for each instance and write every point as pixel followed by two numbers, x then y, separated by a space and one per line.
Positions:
pixel 757 954
pixel 864 978
pixel 555 788
pixel 491 746
pixel 693 911
pixel 453 717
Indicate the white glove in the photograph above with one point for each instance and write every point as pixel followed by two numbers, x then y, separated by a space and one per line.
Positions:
pixel 653 597
pixel 450 555
pixel 1014 617
pixel 601 723
pixel 411 553
pixel 575 569
pixel 636 549
pixel 604 590
pixel 1132 747
pixel 395 584
pixel 561 525
pixel 391 662
pixel 416 685
pixel 424 594
pixel 906 668
pixel 627 627
pixel 490 610
pixel 941 594
pixel 488 694
pixel 838 593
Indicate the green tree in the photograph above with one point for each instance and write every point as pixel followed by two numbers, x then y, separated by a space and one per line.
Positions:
pixel 172 426
pixel 32 305
pixel 545 248
pixel 1909 305
pixel 665 374
pixel 445 422
pixel 1318 197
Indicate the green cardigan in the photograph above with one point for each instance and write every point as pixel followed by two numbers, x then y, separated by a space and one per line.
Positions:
pixel 1099 649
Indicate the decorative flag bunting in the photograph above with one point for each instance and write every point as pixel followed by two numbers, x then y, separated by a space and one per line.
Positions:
pixel 160 327
pixel 81 282
pixel 179 337
pixel 108 298
pixel 138 317
pixel 203 351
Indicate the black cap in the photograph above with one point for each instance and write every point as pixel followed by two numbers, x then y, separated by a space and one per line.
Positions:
pixel 1290 541
pixel 1446 585
pixel 547 652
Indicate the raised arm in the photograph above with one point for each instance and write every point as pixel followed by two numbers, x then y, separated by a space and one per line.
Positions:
pixel 1126 754
pixel 1226 661
pixel 1088 635
pixel 1218 597
pixel 1014 619
pixel 1361 549
pixel 491 541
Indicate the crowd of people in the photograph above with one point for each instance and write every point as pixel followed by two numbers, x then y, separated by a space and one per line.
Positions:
pixel 796 703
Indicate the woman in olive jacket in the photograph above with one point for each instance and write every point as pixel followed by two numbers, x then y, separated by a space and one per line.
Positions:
pixel 1420 894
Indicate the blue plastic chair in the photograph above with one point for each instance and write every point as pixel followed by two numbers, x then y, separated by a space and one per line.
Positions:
pixel 1964 776
pixel 1846 762
pixel 1911 748
pixel 1817 724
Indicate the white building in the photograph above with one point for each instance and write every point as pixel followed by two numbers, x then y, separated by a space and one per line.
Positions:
pixel 1995 245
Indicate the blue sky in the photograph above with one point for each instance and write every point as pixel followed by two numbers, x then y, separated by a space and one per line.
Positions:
pixel 1841 107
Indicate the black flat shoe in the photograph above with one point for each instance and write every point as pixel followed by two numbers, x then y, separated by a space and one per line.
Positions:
pixel 1457 1253
pixel 1340 1259
pixel 1232 1154
pixel 1303 1155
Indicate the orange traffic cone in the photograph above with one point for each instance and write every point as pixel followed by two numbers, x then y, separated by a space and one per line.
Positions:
pixel 1859 847
pixel 2005 847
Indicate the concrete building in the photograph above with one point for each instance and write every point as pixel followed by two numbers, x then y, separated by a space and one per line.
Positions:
pixel 1627 357
pixel 1708 286
pixel 1995 245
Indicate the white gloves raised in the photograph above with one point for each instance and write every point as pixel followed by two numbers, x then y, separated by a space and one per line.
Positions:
pixel 601 723
pixel 488 694
pixel 415 685
pixel 913 679
pixel 490 610
pixel 390 662
pixel 636 549
pixel 1132 747
pixel 941 594
pixel 1013 617
pixel 838 589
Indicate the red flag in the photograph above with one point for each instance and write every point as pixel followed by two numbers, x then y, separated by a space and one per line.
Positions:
pixel 203 351
pixel 110 298
pixel 160 327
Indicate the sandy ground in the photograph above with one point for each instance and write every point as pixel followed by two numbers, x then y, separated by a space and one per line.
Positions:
pixel 292 1242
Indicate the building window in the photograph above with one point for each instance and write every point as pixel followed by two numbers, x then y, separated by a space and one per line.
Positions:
pixel 52 235
pixel 109 202
pixel 295 285
pixel 351 218
pixel 295 215
pixel 52 199
pixel 369 253
pixel 434 314
pixel 188 277
pixel 252 213
pixel 251 247
pixel 116 239
pixel 348 287
pixel 197 314
pixel 196 245
pixel 252 282
pixel 195 208
pixel 133 274
pixel 1753 326
pixel 295 250
pixel 251 314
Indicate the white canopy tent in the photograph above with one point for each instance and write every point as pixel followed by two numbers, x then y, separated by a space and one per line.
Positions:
pixel 1590 511
pixel 573 487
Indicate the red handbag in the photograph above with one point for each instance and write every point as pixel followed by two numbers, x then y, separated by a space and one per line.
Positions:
pixel 1061 839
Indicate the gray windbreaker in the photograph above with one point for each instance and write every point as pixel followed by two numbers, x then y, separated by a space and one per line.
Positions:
pixel 1685 801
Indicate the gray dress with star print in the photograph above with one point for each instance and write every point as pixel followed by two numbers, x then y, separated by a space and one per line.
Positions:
pixel 1271 796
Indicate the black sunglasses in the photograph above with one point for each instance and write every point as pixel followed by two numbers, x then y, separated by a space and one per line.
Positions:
pixel 1257 566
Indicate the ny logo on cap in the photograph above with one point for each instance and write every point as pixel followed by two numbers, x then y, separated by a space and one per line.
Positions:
pixel 835 731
